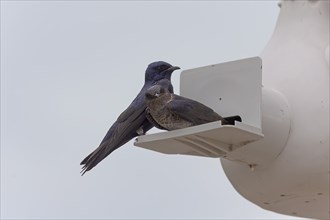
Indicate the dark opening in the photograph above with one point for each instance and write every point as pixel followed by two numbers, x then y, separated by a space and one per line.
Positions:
pixel 231 119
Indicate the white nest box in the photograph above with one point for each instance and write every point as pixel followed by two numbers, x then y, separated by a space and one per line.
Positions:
pixel 278 156
pixel 232 88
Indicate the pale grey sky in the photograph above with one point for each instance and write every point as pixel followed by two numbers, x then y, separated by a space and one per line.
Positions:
pixel 68 69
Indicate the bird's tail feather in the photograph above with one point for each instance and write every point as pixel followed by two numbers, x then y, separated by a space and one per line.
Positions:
pixel 97 156
pixel 107 146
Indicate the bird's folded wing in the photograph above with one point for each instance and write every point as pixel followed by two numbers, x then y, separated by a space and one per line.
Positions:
pixel 123 130
pixel 192 111
pixel 133 111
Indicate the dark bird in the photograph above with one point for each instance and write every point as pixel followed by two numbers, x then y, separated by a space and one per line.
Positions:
pixel 170 112
pixel 132 122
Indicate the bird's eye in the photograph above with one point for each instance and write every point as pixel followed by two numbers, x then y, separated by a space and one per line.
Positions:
pixel 162 67
pixel 149 96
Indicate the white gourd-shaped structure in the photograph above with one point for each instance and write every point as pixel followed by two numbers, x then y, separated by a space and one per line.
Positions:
pixel 295 64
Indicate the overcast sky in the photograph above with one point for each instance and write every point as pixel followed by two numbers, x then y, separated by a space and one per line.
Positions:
pixel 68 69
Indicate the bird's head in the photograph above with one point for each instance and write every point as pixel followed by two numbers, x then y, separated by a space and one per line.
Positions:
pixel 155 92
pixel 159 70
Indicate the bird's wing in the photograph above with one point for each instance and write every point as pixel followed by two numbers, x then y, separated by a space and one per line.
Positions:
pixel 191 110
pixel 133 110
pixel 122 131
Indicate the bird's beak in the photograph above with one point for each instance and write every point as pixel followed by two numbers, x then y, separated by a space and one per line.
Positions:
pixel 173 68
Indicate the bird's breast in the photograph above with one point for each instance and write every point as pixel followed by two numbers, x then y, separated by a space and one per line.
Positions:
pixel 168 120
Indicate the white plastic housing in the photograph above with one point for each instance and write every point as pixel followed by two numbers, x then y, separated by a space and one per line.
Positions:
pixel 233 88
pixel 296 67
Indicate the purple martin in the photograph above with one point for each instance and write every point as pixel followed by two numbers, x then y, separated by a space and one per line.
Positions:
pixel 170 112
pixel 132 122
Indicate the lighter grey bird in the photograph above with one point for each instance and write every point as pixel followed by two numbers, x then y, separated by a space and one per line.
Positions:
pixel 168 111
